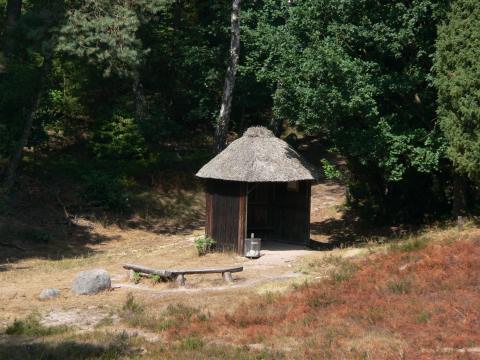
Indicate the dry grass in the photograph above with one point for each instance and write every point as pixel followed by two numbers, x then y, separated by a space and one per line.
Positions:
pixel 421 297
pixel 410 299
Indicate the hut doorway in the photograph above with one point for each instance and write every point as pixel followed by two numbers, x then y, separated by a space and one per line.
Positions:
pixel 279 211
pixel 260 209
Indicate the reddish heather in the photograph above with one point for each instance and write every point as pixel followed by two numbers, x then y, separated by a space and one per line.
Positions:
pixel 405 305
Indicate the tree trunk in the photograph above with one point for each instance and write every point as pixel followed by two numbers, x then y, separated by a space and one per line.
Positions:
pixel 459 201
pixel 14 10
pixel 11 174
pixel 226 107
pixel 139 99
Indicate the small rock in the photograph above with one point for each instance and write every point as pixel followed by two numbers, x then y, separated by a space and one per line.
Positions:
pixel 48 294
pixel 91 282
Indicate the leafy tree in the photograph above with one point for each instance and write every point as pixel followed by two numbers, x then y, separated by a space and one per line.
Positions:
pixel 358 72
pixel 457 70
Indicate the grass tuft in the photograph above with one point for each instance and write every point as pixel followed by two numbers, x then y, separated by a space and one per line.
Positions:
pixel 400 286
pixel 31 326
pixel 191 343
pixel 416 244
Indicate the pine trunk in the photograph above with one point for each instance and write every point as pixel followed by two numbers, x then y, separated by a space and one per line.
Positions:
pixel 139 99
pixel 459 201
pixel 11 174
pixel 14 10
pixel 226 107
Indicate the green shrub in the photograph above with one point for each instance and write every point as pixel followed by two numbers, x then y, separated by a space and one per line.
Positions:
pixel 31 326
pixel 136 277
pixel 330 171
pixel 106 190
pixel 191 343
pixel 156 278
pixel 204 244
pixel 119 138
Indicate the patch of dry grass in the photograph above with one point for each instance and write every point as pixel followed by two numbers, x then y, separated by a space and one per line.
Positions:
pixel 420 297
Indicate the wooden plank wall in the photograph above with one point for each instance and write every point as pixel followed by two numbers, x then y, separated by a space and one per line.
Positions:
pixel 226 208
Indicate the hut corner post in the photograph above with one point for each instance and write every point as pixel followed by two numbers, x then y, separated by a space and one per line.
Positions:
pixel 242 218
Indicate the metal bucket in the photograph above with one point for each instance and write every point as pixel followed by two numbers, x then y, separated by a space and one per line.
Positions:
pixel 252 247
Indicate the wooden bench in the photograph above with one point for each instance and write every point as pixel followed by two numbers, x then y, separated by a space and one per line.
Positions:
pixel 179 275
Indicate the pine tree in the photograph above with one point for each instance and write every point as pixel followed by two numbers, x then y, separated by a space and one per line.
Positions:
pixel 457 67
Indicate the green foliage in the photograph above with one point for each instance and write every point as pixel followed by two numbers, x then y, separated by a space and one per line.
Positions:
pixel 204 244
pixel 105 34
pixel 191 343
pixel 357 73
pixel 457 70
pixel 330 171
pixel 136 277
pixel 119 138
pixel 30 326
pixel 155 278
pixel 106 190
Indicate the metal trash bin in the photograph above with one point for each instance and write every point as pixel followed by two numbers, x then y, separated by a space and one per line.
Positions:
pixel 252 247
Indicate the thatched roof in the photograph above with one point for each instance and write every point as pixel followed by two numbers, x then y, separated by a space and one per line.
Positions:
pixel 258 156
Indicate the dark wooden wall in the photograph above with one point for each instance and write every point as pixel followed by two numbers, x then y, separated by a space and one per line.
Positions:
pixel 226 209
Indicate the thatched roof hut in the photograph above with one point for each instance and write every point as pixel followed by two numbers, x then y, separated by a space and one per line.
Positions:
pixel 261 185
pixel 258 156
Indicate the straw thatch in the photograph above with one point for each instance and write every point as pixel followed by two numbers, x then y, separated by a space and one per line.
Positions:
pixel 258 156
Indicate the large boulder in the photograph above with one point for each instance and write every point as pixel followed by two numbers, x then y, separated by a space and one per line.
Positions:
pixel 91 282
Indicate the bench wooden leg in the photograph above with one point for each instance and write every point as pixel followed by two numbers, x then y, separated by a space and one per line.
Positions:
pixel 180 280
pixel 227 276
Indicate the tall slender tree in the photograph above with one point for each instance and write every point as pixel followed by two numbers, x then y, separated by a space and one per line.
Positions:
pixel 229 84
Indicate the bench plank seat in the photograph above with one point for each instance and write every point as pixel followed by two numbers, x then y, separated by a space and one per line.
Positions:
pixel 179 274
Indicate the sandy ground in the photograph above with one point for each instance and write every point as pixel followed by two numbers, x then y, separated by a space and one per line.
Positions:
pixel 22 281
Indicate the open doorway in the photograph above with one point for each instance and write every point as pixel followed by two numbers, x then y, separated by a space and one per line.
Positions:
pixel 260 208
pixel 279 211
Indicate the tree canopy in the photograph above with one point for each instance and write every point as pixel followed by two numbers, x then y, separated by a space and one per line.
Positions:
pixel 390 86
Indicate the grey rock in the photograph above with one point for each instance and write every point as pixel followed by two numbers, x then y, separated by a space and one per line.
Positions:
pixel 48 293
pixel 91 282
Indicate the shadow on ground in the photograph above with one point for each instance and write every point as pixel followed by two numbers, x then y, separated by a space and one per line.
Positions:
pixel 14 348
pixel 350 231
